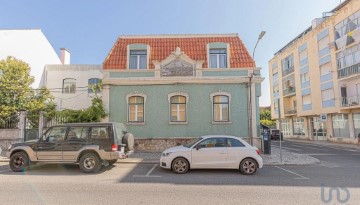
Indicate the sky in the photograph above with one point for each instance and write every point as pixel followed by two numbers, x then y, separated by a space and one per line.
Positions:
pixel 89 28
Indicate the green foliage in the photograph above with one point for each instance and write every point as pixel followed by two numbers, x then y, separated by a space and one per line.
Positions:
pixel 16 93
pixel 265 118
pixel 94 113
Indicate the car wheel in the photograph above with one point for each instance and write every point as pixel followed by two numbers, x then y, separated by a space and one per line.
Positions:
pixel 248 166
pixel 111 162
pixel 19 162
pixel 180 166
pixel 90 163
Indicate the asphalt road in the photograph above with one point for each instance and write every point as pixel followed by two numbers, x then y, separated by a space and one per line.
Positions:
pixel 150 184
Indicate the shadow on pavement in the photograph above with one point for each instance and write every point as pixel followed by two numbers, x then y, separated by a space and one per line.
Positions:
pixel 52 169
pixel 267 176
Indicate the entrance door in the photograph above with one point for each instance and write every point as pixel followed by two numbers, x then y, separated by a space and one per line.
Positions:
pixel 51 147
pixel 319 129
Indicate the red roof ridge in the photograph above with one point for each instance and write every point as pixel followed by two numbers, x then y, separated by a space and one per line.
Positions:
pixel 179 35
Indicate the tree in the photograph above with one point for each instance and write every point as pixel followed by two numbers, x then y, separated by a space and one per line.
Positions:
pixel 16 93
pixel 265 118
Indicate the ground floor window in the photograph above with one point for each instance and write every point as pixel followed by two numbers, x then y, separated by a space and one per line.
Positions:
pixel 286 127
pixel 356 117
pixel 299 126
pixel 319 128
pixel 341 125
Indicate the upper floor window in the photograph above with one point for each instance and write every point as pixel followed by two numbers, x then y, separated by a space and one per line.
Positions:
pixel 221 108
pixel 218 58
pixel 138 59
pixel 178 108
pixel 92 85
pixel 288 65
pixel 136 109
pixel 69 85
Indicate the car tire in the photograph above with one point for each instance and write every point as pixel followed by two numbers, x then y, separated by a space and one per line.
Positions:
pixel 90 163
pixel 129 141
pixel 180 166
pixel 248 166
pixel 111 162
pixel 19 162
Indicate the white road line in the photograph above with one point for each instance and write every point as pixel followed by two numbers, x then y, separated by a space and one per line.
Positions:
pixel 5 170
pixel 286 148
pixel 299 176
pixel 149 172
pixel 305 147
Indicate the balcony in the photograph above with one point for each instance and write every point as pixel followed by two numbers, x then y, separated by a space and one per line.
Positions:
pixel 349 71
pixel 290 110
pixel 289 91
pixel 350 102
pixel 288 71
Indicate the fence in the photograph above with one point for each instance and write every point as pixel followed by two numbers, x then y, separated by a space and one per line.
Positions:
pixel 10 122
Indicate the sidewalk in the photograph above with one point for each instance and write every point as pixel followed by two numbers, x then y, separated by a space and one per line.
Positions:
pixel 288 158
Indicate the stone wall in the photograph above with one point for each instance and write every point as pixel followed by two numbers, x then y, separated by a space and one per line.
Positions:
pixel 7 137
pixel 159 144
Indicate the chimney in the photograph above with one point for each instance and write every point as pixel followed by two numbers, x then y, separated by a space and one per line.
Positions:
pixel 64 56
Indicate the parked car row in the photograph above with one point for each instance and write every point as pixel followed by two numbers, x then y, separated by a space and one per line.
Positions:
pixel 92 145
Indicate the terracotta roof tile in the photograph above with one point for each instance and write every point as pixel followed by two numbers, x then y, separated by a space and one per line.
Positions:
pixel 194 47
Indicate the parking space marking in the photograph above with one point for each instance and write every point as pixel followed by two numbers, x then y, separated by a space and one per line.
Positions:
pixel 299 176
pixel 5 170
pixel 149 172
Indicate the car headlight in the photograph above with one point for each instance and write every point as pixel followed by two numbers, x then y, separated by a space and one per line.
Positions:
pixel 165 154
pixel 9 147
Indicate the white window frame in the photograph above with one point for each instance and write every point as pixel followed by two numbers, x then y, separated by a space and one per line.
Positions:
pixel 212 107
pixel 170 95
pixel 135 94
pixel 68 90
pixel 138 59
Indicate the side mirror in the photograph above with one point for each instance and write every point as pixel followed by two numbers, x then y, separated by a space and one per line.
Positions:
pixel 197 147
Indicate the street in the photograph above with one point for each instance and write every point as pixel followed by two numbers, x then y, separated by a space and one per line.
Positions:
pixel 150 184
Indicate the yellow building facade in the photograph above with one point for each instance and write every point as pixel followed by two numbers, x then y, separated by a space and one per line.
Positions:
pixel 315 78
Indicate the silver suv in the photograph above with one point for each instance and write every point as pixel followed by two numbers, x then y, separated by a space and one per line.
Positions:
pixel 90 145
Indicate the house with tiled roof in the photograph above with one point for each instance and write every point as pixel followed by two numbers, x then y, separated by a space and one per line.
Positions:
pixel 181 86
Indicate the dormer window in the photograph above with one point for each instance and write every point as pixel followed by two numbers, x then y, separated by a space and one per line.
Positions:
pixel 218 58
pixel 138 59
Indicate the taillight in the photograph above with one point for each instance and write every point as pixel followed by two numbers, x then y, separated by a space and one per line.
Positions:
pixel 114 148
pixel 258 151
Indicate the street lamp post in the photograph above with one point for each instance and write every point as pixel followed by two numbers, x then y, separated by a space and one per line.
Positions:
pixel 251 94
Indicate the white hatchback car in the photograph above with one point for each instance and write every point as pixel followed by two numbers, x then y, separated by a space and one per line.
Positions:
pixel 213 152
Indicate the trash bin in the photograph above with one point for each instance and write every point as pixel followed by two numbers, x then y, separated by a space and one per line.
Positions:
pixel 265 132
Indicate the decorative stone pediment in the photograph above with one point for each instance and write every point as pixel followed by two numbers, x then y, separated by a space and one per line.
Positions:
pixel 178 64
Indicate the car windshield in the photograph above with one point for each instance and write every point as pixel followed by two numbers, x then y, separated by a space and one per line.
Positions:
pixel 190 144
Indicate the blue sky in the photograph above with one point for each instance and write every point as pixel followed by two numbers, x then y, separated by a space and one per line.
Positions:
pixel 89 28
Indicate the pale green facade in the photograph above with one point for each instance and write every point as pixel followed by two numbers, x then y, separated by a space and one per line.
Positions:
pixel 199 109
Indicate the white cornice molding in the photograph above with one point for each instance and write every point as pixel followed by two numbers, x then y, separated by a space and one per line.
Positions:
pixel 135 93
pixel 179 35
pixel 169 81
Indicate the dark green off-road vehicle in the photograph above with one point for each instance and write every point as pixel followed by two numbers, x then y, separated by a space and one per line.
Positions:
pixel 90 145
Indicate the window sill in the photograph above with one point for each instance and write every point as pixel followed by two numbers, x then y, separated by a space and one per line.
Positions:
pixel 178 123
pixel 136 123
pixel 219 123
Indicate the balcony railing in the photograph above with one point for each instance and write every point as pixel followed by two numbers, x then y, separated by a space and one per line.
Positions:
pixel 287 71
pixel 350 101
pixel 348 71
pixel 290 110
pixel 289 91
